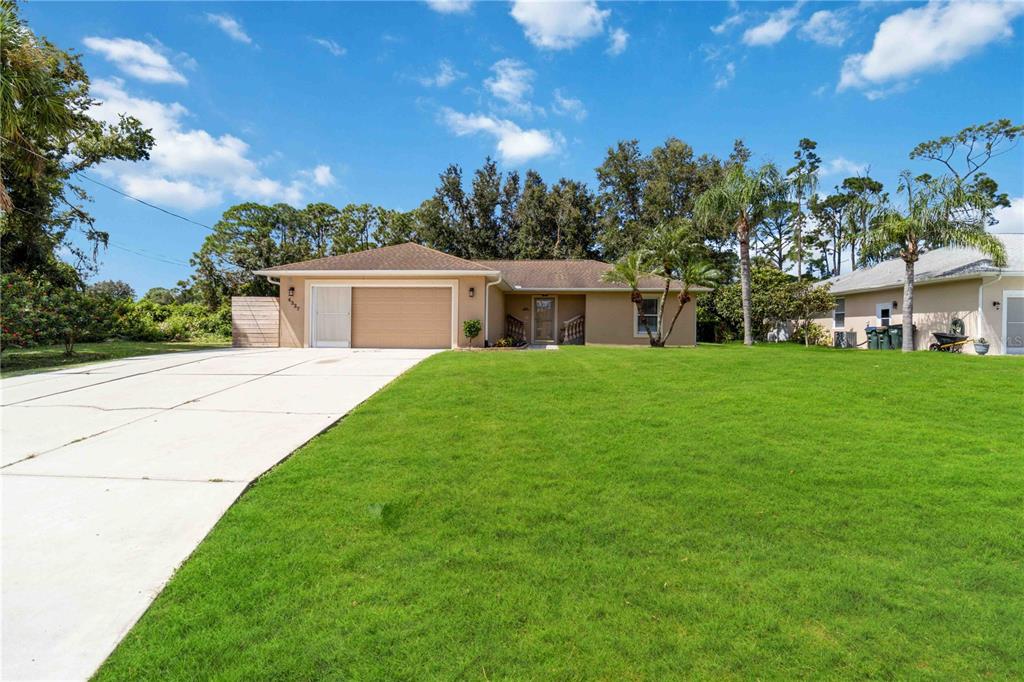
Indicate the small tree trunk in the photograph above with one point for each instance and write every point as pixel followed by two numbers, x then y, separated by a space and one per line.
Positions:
pixel 684 298
pixel 744 234
pixel 908 309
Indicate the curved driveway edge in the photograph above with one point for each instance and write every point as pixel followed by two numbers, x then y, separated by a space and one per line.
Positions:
pixel 113 473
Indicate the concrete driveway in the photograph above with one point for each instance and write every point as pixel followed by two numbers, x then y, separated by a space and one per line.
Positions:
pixel 112 474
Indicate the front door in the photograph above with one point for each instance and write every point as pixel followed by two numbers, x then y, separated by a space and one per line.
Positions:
pixel 1013 303
pixel 332 317
pixel 544 319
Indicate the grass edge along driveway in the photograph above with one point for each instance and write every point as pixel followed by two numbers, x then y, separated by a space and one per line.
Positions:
pixel 617 513
pixel 20 361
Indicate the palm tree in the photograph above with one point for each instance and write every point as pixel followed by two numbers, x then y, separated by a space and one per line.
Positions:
pixel 629 270
pixel 940 213
pixel 739 203
pixel 692 272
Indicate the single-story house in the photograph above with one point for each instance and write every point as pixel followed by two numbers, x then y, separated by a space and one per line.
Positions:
pixel 949 283
pixel 411 296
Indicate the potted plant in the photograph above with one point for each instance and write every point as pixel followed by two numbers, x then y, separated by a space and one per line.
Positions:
pixel 472 329
pixel 981 346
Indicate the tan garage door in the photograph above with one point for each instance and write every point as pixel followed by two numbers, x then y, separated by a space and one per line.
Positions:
pixel 401 317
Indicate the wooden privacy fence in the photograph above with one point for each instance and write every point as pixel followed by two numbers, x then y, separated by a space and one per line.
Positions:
pixel 255 321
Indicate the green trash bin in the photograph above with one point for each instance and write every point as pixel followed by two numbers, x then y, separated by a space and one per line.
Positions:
pixel 872 334
pixel 896 337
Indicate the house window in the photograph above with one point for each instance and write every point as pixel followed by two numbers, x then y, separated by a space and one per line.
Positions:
pixel 649 310
pixel 839 314
pixel 883 311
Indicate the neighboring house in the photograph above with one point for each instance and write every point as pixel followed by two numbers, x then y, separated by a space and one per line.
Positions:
pixel 948 283
pixel 411 296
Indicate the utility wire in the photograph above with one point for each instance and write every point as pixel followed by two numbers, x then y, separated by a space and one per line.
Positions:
pixel 160 257
pixel 114 189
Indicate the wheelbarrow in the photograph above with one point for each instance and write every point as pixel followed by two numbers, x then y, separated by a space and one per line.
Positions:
pixel 948 343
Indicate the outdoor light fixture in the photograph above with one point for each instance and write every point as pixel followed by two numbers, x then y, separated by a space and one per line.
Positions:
pixel 996 304
pixel 472 292
pixel 894 305
pixel 291 291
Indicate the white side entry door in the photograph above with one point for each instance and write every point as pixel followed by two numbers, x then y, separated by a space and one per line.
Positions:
pixel 331 317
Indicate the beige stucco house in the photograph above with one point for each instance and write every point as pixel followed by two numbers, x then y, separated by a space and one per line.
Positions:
pixel 948 283
pixel 411 296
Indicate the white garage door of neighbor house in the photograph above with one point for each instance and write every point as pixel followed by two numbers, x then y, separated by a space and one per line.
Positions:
pixel 332 317
pixel 1013 304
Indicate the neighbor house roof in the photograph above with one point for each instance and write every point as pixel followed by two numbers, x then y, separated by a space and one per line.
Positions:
pixel 934 265
pixel 401 257
pixel 553 275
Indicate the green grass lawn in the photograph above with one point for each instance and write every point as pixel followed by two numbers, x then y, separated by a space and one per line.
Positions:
pixel 15 361
pixel 721 512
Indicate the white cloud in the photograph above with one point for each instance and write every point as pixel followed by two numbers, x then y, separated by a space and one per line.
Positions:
pixel 512 83
pixel 514 145
pixel 843 166
pixel 188 167
pixel 331 46
pixel 136 59
pixel 164 192
pixel 1011 220
pixel 727 23
pixel 618 39
pixel 826 28
pixel 445 76
pixel 559 25
pixel 322 176
pixel 230 26
pixel 934 36
pixel 774 28
pixel 568 106
pixel 450 6
pixel 725 77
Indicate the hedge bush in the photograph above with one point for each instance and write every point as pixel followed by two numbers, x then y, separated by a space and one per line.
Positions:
pixel 34 312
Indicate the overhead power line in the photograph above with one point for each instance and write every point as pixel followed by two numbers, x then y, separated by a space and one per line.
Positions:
pixel 114 189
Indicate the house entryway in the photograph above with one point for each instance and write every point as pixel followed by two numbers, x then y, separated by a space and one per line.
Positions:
pixel 544 319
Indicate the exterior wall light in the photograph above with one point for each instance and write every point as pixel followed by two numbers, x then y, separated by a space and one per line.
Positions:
pixel 291 291
pixel 472 292
pixel 894 304
pixel 996 304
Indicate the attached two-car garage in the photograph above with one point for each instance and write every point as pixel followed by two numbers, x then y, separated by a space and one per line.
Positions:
pixel 381 317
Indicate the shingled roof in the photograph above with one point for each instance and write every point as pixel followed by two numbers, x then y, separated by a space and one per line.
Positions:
pixel 560 274
pixel 935 265
pixel 406 256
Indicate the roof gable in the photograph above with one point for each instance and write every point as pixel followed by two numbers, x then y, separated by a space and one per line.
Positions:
pixel 408 256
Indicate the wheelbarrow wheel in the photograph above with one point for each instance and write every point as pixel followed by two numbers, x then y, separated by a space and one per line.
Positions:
pixel 934 346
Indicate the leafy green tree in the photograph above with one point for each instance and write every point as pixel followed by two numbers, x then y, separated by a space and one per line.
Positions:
pixel 48 135
pixel 778 298
pixel 740 202
pixel 575 222
pixel 536 235
pixel 113 289
pixel 866 200
pixel 830 231
pixel 677 255
pixel 249 237
pixel 325 231
pixel 397 227
pixel 638 192
pixel 803 181
pixel 966 153
pixel 775 236
pixel 934 216
pixel 159 295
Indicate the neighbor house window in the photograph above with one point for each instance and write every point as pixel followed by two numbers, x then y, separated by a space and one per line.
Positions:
pixel 649 310
pixel 839 314
pixel 883 311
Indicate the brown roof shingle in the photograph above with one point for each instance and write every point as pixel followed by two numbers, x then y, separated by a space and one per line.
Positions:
pixel 408 256
pixel 561 274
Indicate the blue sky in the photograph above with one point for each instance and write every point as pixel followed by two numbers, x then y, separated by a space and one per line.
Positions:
pixel 361 102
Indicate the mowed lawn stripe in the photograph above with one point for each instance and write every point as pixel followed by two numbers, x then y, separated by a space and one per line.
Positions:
pixel 616 513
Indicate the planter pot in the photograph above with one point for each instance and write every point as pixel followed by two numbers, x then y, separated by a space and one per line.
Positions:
pixel 980 348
